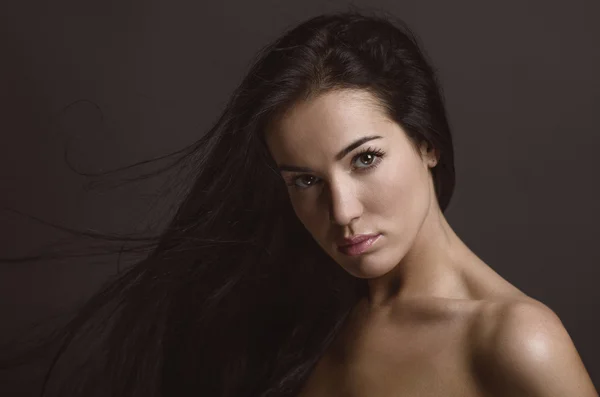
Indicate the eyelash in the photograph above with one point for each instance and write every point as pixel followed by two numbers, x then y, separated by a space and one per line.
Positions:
pixel 378 153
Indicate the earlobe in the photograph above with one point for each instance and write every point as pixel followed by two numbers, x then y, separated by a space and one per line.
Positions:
pixel 428 154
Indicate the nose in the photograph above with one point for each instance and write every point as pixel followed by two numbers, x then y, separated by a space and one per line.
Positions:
pixel 344 203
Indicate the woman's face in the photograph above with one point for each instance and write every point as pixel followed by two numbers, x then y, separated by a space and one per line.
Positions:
pixel 381 187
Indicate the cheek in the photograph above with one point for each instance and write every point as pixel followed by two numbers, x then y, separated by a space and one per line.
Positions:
pixel 390 191
pixel 306 212
pixel 399 196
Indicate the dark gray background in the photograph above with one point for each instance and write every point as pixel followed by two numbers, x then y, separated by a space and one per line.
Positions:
pixel 523 95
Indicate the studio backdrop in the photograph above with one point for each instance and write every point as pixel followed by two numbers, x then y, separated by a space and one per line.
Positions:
pixel 113 83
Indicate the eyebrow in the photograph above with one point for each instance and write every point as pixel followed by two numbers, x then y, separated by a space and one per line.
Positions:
pixel 342 153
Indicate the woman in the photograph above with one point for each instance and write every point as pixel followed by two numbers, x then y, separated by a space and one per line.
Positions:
pixel 311 256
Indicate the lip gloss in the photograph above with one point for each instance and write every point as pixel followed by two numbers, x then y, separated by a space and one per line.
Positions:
pixel 359 248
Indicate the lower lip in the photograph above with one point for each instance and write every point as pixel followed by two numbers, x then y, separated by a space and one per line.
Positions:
pixel 359 248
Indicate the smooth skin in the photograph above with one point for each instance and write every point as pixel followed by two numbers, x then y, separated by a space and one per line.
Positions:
pixel 438 321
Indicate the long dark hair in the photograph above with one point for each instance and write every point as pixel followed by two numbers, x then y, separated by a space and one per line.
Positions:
pixel 235 298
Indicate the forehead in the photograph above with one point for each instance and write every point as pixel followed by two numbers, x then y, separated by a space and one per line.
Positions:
pixel 329 120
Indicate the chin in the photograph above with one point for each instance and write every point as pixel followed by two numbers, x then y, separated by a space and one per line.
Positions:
pixel 368 268
pixel 366 274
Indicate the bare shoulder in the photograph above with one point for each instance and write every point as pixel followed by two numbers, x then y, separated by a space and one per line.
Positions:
pixel 521 348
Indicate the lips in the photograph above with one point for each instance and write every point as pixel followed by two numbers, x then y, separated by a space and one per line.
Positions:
pixel 361 247
pixel 354 240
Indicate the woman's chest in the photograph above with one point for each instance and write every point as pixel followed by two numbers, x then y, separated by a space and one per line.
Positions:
pixel 441 376
pixel 391 361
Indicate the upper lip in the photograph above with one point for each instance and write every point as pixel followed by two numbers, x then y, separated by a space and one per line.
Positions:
pixel 359 238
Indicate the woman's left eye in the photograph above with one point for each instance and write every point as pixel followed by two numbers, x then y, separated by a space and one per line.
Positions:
pixel 368 158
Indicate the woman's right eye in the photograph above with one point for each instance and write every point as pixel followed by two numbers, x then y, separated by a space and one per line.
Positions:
pixel 303 181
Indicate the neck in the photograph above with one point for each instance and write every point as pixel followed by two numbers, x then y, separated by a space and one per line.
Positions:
pixel 432 268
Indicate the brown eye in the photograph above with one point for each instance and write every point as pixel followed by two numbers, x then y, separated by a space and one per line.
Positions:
pixel 367 158
pixel 304 181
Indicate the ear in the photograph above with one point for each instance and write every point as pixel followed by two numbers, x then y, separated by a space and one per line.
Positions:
pixel 428 154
